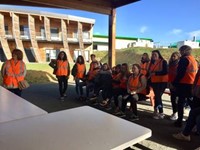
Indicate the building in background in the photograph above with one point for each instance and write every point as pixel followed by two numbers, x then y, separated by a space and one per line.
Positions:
pixel 100 42
pixel 42 35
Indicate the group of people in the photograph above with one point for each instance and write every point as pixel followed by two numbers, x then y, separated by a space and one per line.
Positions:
pixel 180 74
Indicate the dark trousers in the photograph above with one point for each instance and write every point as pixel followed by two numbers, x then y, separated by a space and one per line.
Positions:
pixel 191 122
pixel 77 81
pixel 184 92
pixel 173 97
pixel 81 85
pixel 16 91
pixel 133 100
pixel 158 89
pixel 63 84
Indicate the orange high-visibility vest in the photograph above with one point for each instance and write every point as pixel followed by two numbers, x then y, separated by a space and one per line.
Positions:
pixel 80 71
pixel 134 83
pixel 144 67
pixel 158 66
pixel 92 74
pixel 191 71
pixel 13 73
pixel 123 82
pixel 172 72
pixel 62 68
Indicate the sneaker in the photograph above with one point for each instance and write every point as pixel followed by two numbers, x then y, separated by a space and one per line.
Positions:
pixel 159 116
pixel 65 95
pixel 174 116
pixel 134 117
pixel 180 136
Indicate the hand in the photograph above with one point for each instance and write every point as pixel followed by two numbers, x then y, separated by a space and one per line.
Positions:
pixel 133 92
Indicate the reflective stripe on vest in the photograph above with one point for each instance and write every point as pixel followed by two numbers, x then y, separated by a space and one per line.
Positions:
pixel 62 68
pixel 80 70
pixel 158 66
pixel 13 71
pixel 190 71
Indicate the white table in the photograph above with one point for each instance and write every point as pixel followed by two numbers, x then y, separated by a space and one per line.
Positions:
pixel 82 128
pixel 13 107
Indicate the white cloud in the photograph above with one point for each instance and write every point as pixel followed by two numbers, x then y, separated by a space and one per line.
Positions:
pixel 194 33
pixel 176 31
pixel 143 29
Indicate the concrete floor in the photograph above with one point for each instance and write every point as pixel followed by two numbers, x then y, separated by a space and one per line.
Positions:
pixel 46 96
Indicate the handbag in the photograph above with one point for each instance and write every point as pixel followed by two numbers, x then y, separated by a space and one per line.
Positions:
pixel 23 84
pixel 53 64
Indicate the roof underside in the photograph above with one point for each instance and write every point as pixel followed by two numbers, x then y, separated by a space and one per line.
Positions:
pixel 97 6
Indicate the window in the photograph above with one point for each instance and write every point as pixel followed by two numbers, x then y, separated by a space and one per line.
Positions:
pixel 24 30
pixel 86 35
pixel 54 32
pixel 6 30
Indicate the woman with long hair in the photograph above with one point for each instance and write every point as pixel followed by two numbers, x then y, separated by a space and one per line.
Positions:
pixel 62 73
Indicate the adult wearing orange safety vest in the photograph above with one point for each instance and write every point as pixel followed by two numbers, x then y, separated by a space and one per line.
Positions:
pixel 186 72
pixel 158 77
pixel 136 85
pixel 62 73
pixel 78 72
pixel 13 71
pixel 145 61
pixel 196 91
pixel 172 67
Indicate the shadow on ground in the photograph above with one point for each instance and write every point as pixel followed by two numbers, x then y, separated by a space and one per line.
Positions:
pixel 46 96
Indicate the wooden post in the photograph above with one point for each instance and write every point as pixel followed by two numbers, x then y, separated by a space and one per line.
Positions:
pixel 111 38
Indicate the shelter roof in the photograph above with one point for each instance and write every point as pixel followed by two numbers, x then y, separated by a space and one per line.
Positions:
pixel 97 6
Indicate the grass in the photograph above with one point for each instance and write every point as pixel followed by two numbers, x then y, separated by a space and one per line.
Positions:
pixel 43 73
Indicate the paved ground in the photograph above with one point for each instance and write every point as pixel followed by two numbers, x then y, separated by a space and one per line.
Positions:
pixel 46 97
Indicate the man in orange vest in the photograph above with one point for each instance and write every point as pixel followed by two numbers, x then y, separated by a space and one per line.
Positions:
pixel 186 72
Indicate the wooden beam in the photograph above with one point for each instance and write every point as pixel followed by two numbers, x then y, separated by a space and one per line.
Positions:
pixel 103 8
pixel 119 3
pixel 111 38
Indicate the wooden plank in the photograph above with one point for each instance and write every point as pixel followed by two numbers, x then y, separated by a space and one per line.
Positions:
pixel 31 23
pixel 3 40
pixel 17 36
pixel 65 41
pixel 111 38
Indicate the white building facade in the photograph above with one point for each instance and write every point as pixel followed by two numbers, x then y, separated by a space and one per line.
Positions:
pixel 192 44
pixel 100 42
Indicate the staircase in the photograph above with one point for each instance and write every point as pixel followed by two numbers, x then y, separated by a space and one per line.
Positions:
pixel 31 23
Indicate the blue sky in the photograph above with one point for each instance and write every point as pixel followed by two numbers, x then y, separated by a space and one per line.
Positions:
pixel 165 21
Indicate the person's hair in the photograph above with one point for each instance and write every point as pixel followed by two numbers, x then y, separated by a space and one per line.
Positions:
pixel 92 55
pixel 147 59
pixel 138 66
pixel 158 52
pixel 118 66
pixel 106 64
pixel 174 53
pixel 64 58
pixel 187 49
pixel 82 60
pixel 18 53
